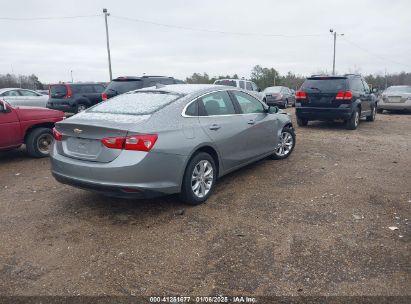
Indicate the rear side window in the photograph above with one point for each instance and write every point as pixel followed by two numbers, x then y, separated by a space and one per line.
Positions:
pixel 28 93
pixel 98 88
pixel 325 85
pixel 248 86
pixel 226 82
pixel 218 103
pixel 11 93
pixel 58 90
pixel 123 86
pixel 192 109
pixel 140 103
pixel 357 85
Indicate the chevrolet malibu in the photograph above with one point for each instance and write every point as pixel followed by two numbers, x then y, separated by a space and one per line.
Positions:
pixel 168 139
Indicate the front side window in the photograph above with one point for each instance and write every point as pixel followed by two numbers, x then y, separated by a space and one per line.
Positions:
pixel 11 93
pixel 248 104
pixel 218 103
pixel 139 103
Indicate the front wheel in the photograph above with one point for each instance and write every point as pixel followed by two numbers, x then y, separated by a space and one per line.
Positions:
pixel 199 179
pixel 38 142
pixel 286 145
pixel 353 122
pixel 371 117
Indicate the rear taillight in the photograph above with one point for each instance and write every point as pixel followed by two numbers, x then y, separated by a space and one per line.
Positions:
pixel 344 95
pixel 69 92
pixel 133 142
pixel 103 96
pixel 300 95
pixel 57 135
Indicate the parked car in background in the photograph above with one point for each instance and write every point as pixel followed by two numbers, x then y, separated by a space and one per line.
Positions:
pixel 125 84
pixel 279 96
pixel 174 139
pixel 74 97
pixel 43 92
pixel 242 84
pixel 395 98
pixel 27 125
pixel 345 97
pixel 23 97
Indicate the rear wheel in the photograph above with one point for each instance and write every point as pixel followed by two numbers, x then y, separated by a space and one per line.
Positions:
pixel 38 142
pixel 371 117
pixel 286 145
pixel 285 104
pixel 380 111
pixel 199 179
pixel 81 107
pixel 302 122
pixel 353 122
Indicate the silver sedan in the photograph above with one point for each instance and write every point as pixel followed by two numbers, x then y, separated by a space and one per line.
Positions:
pixel 165 140
pixel 395 98
pixel 23 97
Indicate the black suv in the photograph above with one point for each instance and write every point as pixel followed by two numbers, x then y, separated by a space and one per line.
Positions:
pixel 74 97
pixel 125 84
pixel 326 98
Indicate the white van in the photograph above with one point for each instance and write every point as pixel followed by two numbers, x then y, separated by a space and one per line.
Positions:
pixel 243 84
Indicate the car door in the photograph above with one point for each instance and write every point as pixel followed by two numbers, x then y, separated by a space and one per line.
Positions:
pixel 10 132
pixel 13 97
pixel 359 93
pixel 219 119
pixel 368 96
pixel 260 136
pixel 32 99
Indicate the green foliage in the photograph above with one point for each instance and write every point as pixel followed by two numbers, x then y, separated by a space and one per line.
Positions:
pixel 21 81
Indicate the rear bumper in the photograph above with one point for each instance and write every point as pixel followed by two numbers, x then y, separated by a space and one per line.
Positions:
pixel 394 105
pixel 132 174
pixel 312 113
pixel 274 102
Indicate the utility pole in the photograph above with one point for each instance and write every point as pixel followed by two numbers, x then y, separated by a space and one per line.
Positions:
pixel 106 14
pixel 71 74
pixel 335 42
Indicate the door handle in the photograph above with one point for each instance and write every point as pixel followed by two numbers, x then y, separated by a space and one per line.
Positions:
pixel 214 127
pixel 251 122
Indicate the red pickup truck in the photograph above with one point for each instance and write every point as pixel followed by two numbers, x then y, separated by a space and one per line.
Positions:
pixel 27 125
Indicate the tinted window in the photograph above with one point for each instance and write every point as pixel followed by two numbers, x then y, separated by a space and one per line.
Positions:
pixel 192 109
pixel 325 85
pixel 58 90
pixel 140 103
pixel 98 88
pixel 248 86
pixel 11 93
pixel 85 89
pixel 242 84
pixel 248 104
pixel 255 88
pixel 123 86
pixel 356 85
pixel 218 103
pixel 226 82
pixel 27 93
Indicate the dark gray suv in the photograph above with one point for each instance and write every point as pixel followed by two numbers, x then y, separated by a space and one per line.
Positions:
pixel 74 97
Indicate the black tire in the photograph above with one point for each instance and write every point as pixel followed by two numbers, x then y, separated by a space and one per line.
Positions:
pixel 380 111
pixel 354 121
pixel 302 122
pixel 80 107
pixel 291 132
pixel 371 117
pixel 38 142
pixel 285 105
pixel 187 194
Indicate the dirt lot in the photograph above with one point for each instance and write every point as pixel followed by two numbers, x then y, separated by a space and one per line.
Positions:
pixel 314 224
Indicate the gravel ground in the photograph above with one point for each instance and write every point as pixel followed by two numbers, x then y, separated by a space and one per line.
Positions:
pixel 314 224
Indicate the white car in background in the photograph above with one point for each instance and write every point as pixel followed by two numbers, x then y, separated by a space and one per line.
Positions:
pixel 23 97
pixel 242 84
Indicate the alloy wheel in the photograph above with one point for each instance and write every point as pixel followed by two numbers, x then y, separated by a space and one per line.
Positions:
pixel 286 144
pixel 202 178
pixel 43 143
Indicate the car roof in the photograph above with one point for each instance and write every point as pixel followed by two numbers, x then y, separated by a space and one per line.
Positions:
pixel 140 77
pixel 184 89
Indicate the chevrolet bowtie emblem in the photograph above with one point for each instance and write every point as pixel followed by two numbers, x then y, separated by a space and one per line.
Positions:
pixel 77 131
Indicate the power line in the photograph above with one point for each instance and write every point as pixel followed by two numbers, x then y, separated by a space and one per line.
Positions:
pixel 213 31
pixel 373 54
pixel 47 18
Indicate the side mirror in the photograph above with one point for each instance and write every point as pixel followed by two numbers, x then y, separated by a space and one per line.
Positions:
pixel 374 90
pixel 3 107
pixel 272 109
pixel 258 90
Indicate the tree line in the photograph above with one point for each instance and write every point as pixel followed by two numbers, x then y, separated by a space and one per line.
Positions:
pixel 266 77
pixel 20 81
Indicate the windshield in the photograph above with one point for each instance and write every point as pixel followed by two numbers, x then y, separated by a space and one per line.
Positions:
pixel 226 82
pixel 123 86
pixel 272 90
pixel 139 103
pixel 398 89
pixel 324 85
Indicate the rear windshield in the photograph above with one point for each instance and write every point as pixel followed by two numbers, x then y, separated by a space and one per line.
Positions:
pixel 58 90
pixel 139 103
pixel 398 89
pixel 231 83
pixel 273 90
pixel 123 86
pixel 325 85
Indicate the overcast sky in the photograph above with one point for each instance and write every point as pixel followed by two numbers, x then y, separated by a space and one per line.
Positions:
pixel 377 37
